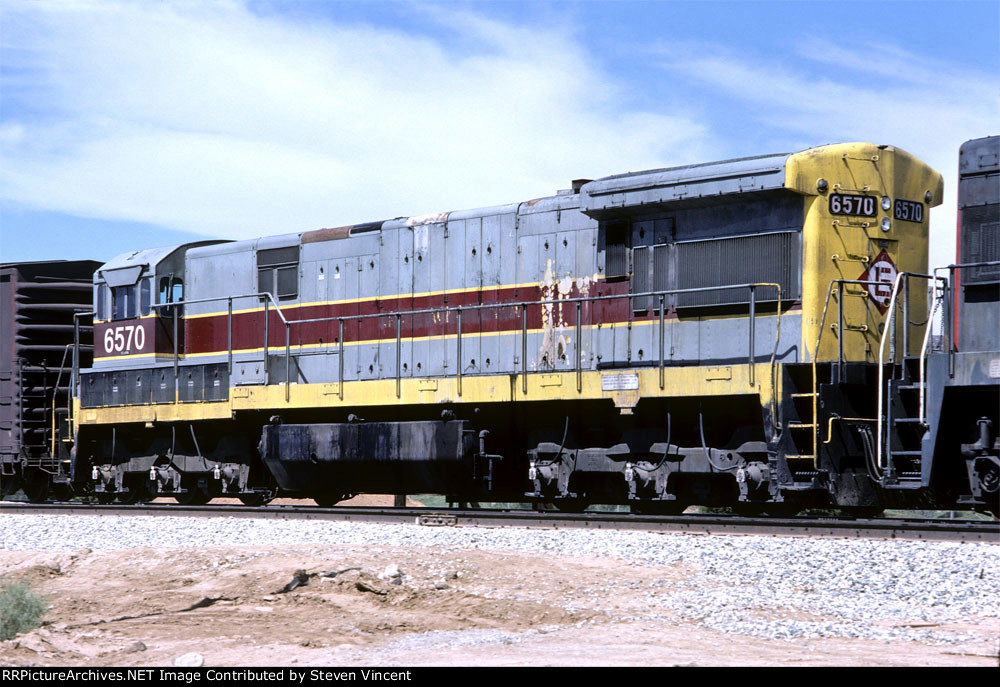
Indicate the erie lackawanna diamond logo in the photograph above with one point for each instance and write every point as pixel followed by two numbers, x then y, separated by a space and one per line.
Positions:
pixel 882 271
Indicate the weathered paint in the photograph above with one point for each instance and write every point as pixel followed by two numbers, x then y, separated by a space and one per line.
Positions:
pixel 839 246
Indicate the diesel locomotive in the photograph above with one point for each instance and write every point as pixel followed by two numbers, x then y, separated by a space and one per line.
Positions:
pixel 762 333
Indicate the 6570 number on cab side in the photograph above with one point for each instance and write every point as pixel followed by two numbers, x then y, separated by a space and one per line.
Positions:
pixel 124 339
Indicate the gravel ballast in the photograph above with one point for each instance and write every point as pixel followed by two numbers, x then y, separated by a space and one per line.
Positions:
pixel 845 588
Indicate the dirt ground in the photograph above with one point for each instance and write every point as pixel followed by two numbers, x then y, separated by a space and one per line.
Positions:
pixel 342 606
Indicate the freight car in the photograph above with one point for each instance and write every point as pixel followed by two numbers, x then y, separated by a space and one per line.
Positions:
pixel 39 302
pixel 750 333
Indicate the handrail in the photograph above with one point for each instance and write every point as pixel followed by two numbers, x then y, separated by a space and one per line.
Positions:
pixel 214 299
pixel 951 324
pixel 557 301
pixel 55 391
pixel 230 299
pixel 926 341
pixel 74 378
pixel 947 323
pixel 886 332
pixel 75 375
pixel 578 301
pixel 840 347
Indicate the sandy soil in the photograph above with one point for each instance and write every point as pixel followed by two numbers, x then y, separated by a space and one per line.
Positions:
pixel 239 606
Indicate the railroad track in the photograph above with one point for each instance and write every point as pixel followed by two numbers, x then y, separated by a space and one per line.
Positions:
pixel 826 526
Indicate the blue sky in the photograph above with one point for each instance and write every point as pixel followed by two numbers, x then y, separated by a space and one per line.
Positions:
pixel 135 124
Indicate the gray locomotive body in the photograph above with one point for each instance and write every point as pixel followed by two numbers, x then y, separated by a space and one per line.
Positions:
pixel 693 335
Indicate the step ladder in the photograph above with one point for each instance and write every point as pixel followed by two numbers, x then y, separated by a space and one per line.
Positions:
pixel 802 428
pixel 905 427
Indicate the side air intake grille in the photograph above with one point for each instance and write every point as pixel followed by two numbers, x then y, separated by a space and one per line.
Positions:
pixel 738 260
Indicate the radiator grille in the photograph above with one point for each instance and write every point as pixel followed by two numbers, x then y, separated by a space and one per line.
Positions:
pixel 739 260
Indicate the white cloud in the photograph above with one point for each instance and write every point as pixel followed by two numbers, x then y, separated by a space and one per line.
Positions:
pixel 878 93
pixel 208 118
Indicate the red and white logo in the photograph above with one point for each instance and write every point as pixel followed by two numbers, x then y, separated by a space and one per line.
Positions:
pixel 883 271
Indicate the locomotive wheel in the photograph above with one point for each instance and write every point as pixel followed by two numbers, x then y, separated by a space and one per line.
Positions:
pixel 193 497
pixel 135 494
pixel 61 492
pixel 35 489
pixel 658 508
pixel 782 510
pixel 257 498
pixel 750 510
pixel 328 501
pixel 129 497
pixel 571 505
pixel 866 513
pixel 106 497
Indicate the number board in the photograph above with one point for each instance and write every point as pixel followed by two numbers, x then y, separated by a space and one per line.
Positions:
pixel 122 337
pixel 908 211
pixel 851 204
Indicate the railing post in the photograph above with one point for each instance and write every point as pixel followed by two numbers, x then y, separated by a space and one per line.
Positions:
pixel 340 361
pixel 230 328
pixel 524 348
pixel 951 322
pixel 399 355
pixel 892 328
pixel 662 304
pixel 579 348
pixel 753 322
pixel 906 316
pixel 177 376
pixel 75 374
pixel 288 360
pixel 840 327
pixel 928 334
pixel 267 302
pixel 458 353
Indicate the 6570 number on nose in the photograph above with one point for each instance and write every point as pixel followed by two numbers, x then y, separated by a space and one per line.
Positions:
pixel 850 204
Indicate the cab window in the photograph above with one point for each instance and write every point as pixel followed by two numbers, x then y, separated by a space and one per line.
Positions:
pixel 101 301
pixel 124 302
pixel 171 290
pixel 145 286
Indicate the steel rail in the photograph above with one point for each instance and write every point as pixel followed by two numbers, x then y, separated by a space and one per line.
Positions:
pixel 828 526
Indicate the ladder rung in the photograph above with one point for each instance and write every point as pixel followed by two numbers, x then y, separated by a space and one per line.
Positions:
pixel 910 387
pixel 907 453
pixel 800 425
pixel 810 456
pixel 806 395
pixel 907 419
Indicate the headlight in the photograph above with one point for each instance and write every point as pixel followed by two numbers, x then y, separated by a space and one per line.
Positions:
pixel 886 224
pixel 886 203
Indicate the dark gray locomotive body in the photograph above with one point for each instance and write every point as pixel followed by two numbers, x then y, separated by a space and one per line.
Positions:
pixel 963 380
